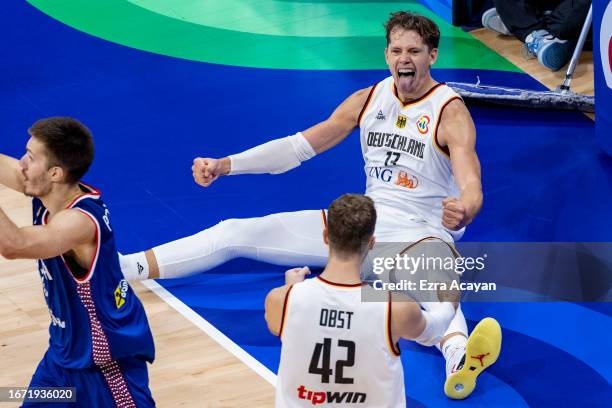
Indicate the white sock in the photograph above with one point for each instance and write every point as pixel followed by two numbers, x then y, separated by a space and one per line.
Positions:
pixel 134 266
pixel 454 348
pixel 454 352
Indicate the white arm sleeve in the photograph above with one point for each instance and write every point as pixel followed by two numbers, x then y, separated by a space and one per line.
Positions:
pixel 438 317
pixel 274 157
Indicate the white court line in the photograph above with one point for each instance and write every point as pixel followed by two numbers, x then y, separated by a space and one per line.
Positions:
pixel 211 330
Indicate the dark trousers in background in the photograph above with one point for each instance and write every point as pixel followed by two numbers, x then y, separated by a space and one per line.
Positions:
pixel 524 16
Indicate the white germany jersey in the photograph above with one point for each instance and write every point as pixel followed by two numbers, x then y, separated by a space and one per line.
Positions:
pixel 337 351
pixel 405 167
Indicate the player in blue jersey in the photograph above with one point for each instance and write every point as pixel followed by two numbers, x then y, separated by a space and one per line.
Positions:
pixel 100 341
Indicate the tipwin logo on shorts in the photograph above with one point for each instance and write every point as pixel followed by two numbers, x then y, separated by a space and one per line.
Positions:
pixel 605 44
pixel 121 293
pixel 328 397
pixel 423 124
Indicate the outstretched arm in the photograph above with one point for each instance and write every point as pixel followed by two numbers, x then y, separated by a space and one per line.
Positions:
pixel 343 120
pixel 457 131
pixel 10 173
pixel 280 155
pixel 68 230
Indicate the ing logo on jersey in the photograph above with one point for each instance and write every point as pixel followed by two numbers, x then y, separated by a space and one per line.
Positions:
pixel 423 124
pixel 121 293
pixel 401 121
pixel 407 180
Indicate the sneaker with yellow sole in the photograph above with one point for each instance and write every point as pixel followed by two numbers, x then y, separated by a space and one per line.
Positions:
pixel 482 350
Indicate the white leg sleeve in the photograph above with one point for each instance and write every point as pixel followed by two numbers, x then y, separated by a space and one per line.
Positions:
pixel 438 316
pixel 458 324
pixel 289 239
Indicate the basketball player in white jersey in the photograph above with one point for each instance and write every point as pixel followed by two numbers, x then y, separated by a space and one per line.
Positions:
pixel 338 349
pixel 422 171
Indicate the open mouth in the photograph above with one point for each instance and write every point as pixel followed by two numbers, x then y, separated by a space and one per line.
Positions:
pixel 406 72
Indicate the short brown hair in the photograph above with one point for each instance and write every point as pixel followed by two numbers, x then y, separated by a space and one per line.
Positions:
pixel 426 28
pixel 69 145
pixel 350 224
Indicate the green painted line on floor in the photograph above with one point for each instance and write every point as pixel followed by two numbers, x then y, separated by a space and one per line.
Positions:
pixel 132 25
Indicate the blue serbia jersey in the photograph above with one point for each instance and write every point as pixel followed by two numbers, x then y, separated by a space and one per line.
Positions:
pixel 95 316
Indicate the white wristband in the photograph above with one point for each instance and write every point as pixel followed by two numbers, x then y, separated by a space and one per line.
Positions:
pixel 274 157
pixel 438 317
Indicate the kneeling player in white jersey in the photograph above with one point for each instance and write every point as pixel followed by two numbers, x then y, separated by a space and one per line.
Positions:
pixel 338 348
pixel 422 171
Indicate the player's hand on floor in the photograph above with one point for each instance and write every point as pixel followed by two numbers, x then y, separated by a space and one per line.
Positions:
pixel 296 275
pixel 454 214
pixel 206 170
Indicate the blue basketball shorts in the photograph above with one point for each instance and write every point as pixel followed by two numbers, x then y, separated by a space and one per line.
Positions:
pixel 120 384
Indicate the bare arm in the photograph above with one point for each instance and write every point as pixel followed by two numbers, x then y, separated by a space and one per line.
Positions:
pixel 68 230
pixel 265 158
pixel 407 321
pixel 457 131
pixel 343 120
pixel 10 173
pixel 275 302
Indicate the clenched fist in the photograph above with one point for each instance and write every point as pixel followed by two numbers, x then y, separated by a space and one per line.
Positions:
pixel 207 170
pixel 296 275
pixel 454 214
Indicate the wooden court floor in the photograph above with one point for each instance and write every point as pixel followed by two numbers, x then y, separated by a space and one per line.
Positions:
pixel 191 369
